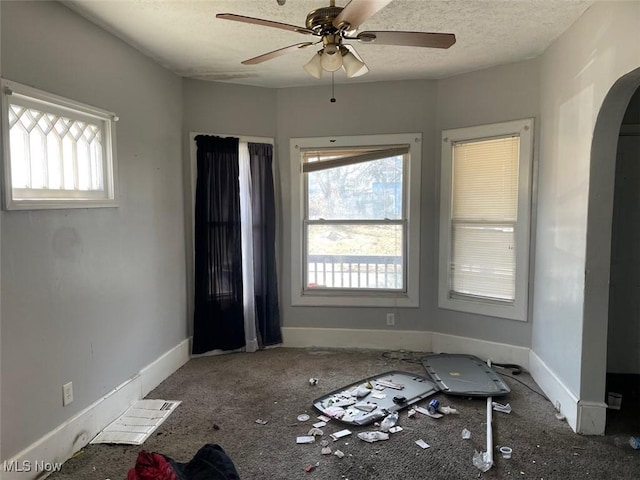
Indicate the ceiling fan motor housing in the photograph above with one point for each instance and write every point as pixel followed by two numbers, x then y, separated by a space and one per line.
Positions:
pixel 321 20
pixel 335 25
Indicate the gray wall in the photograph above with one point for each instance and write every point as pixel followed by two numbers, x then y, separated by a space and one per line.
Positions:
pixel 1 219
pixel 90 295
pixel 367 108
pixel 496 94
pixel 576 193
pixel 211 107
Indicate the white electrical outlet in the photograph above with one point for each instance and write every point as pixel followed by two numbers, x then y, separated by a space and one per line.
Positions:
pixel 67 394
pixel 391 319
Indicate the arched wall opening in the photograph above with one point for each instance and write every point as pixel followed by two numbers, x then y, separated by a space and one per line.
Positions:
pixel 623 335
pixel 604 152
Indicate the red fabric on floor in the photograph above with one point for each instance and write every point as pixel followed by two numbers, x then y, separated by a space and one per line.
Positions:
pixel 151 466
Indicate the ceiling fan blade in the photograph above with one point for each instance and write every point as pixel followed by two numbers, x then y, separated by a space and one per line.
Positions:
pixel 410 39
pixel 356 12
pixel 276 53
pixel 264 23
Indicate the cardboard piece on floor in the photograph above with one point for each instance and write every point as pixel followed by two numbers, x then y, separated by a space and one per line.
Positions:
pixel 137 423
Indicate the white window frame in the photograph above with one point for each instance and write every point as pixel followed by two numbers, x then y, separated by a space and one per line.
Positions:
pixel 410 297
pixel 35 199
pixel 519 308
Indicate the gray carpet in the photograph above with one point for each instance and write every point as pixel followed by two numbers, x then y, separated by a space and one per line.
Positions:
pixel 232 391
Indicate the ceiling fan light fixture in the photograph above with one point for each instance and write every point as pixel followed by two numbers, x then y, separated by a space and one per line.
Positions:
pixel 334 25
pixel 314 66
pixel 353 66
pixel 331 59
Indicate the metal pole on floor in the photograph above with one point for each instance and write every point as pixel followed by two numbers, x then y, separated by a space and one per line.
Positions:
pixel 489 432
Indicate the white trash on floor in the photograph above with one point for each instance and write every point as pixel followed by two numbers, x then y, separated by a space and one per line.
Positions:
pixel 135 425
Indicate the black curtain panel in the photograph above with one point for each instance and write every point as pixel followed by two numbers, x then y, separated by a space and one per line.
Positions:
pixel 264 240
pixel 218 315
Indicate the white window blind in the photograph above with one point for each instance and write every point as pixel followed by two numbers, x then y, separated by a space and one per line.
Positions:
pixel 484 209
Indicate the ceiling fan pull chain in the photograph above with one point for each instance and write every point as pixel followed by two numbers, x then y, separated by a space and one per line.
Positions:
pixel 333 98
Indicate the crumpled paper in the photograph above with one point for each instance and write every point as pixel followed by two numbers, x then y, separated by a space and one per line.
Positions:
pixel 373 436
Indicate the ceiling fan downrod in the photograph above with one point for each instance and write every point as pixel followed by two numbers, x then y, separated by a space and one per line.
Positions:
pixel 335 26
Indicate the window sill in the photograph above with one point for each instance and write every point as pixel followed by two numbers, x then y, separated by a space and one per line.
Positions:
pixel 322 299
pixel 490 309
pixel 59 204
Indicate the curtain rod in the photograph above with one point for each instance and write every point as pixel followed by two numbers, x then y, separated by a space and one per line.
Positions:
pixel 242 138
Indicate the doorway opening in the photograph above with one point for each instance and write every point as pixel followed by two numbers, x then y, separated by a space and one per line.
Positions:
pixel 623 339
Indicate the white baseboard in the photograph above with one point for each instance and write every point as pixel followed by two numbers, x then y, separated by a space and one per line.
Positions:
pixel 584 417
pixel 555 390
pixel 61 443
pixel 154 374
pixel 418 341
pixel 592 418
pixel 300 337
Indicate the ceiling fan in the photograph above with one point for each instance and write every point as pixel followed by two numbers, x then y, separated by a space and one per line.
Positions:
pixel 337 25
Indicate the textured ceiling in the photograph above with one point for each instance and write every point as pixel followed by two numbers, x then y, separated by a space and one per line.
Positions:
pixel 186 38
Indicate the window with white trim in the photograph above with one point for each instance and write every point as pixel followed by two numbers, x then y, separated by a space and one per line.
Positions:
pixel 58 153
pixel 485 219
pixel 356 220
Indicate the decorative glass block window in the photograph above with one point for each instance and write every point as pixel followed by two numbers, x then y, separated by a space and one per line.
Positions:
pixel 356 220
pixel 484 219
pixel 57 153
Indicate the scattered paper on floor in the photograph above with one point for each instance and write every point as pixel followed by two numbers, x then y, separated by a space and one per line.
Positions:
pixel 135 425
